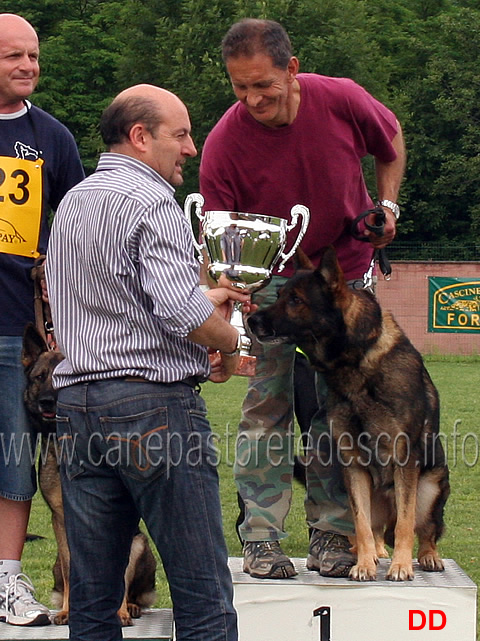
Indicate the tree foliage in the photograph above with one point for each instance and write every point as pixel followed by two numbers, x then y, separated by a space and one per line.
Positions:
pixel 419 57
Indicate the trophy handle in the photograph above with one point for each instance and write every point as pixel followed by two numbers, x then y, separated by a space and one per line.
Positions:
pixel 199 201
pixel 304 212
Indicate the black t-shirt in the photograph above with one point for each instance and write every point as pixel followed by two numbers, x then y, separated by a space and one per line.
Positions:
pixel 28 135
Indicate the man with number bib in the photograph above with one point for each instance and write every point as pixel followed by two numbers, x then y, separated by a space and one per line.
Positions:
pixel 39 162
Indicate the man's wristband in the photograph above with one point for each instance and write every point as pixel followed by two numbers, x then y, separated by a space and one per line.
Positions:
pixel 237 349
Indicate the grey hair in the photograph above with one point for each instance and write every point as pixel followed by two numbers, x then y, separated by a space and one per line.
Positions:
pixel 251 36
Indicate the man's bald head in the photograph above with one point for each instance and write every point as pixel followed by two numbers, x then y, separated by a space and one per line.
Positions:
pixel 13 22
pixel 152 125
pixel 146 104
pixel 19 70
pixel 149 91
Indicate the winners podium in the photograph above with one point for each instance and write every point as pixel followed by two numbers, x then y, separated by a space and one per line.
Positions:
pixel 153 624
pixel 435 606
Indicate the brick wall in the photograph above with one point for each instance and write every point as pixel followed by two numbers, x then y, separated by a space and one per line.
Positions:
pixel 406 296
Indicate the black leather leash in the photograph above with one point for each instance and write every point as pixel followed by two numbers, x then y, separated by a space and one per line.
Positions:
pixel 378 228
pixel 43 316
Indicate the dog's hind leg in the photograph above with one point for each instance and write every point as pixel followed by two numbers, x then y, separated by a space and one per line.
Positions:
pixel 432 494
pixel 139 580
pixel 381 509
pixel 380 549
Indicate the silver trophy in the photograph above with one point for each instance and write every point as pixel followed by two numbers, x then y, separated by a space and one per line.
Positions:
pixel 245 248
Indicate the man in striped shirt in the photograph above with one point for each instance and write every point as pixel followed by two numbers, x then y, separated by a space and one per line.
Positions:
pixel 132 322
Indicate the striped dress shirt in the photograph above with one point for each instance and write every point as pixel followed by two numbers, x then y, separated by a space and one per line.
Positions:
pixel 122 279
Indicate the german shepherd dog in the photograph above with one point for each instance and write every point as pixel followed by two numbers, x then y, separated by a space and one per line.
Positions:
pixel 379 392
pixel 40 401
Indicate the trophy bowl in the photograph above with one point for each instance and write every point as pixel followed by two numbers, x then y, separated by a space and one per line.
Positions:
pixel 244 247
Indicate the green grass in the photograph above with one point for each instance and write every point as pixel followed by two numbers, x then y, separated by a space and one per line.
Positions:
pixel 458 382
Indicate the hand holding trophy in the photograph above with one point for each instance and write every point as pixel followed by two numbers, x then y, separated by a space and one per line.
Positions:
pixel 245 248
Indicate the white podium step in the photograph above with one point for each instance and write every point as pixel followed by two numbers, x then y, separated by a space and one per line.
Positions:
pixel 308 607
pixel 433 607
pixel 153 624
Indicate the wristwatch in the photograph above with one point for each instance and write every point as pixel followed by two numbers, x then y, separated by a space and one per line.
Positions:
pixel 391 205
pixel 238 347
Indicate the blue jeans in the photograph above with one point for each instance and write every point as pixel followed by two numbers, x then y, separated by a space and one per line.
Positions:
pixel 17 439
pixel 132 450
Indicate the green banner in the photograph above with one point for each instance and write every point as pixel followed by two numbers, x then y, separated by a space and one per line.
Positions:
pixel 454 304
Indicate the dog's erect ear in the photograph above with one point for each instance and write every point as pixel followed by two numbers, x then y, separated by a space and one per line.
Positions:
pixel 302 261
pixel 33 346
pixel 331 270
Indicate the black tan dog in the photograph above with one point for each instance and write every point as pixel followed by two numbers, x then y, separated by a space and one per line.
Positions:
pixel 379 393
pixel 40 400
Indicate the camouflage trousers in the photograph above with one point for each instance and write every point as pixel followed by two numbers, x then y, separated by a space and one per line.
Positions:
pixel 266 446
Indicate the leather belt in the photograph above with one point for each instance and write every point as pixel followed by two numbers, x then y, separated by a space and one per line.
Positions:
pixel 191 381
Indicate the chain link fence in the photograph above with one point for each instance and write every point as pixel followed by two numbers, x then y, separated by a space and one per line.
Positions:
pixel 412 251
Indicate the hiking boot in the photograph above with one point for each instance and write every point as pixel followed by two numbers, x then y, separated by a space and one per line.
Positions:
pixel 18 605
pixel 330 554
pixel 266 560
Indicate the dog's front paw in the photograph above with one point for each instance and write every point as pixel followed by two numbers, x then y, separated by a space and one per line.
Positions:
pixel 61 618
pixel 364 572
pixel 400 572
pixel 125 618
pixel 134 610
pixel 431 563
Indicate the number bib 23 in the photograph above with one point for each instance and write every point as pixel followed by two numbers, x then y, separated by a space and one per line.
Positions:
pixel 20 205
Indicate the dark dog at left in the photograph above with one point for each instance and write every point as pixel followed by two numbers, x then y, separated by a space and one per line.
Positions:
pixel 40 401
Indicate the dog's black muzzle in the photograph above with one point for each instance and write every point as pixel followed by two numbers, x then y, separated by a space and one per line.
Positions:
pixel 260 325
pixel 47 406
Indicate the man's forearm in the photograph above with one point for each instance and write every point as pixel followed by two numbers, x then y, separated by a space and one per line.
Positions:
pixel 217 333
pixel 390 174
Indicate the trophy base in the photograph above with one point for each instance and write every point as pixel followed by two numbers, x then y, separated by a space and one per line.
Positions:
pixel 247 366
